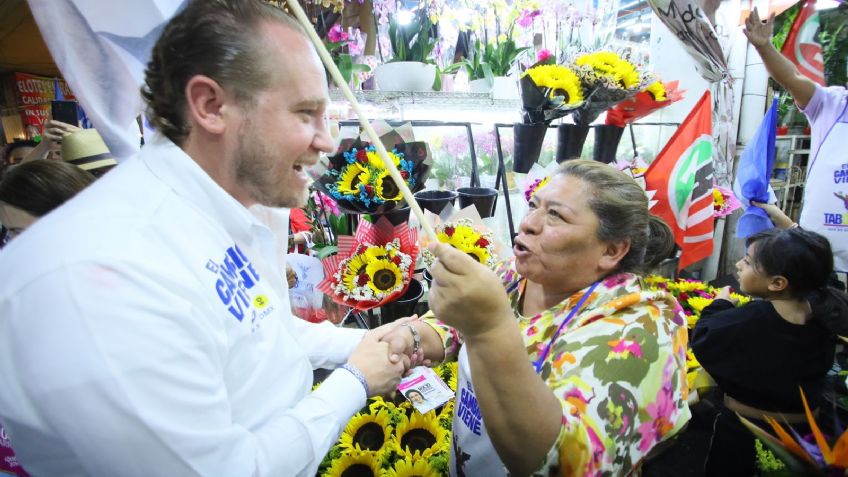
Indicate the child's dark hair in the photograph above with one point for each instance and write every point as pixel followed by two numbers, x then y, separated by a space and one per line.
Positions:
pixel 805 259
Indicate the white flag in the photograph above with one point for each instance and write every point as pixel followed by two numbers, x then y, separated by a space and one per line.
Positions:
pixel 102 49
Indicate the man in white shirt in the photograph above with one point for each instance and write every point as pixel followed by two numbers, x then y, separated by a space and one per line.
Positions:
pixel 145 327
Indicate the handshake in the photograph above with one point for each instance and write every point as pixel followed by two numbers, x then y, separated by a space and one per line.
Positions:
pixel 386 354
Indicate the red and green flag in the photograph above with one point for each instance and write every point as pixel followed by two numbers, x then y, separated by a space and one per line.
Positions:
pixel 680 184
pixel 802 47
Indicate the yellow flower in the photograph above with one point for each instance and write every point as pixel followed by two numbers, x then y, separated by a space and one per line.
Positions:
pixel 741 299
pixel 356 266
pixel 610 65
pixel 384 276
pixel 478 253
pixel 353 175
pixel 718 199
pixel 560 81
pixel 375 252
pixel 386 188
pixel 366 432
pixel 657 91
pixel 691 360
pixel 421 436
pixel 355 463
pixel 375 161
pixel 698 303
pixel 409 467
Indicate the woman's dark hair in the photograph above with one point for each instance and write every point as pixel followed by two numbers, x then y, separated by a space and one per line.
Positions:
pixel 414 391
pixel 221 39
pixel 622 210
pixel 38 187
pixel 17 145
pixel 805 259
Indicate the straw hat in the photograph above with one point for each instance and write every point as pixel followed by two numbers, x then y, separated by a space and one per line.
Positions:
pixel 86 150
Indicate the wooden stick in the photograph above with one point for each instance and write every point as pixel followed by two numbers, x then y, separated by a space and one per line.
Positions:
pixel 363 121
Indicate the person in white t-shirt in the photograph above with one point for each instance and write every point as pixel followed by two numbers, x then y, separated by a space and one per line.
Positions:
pixel 145 327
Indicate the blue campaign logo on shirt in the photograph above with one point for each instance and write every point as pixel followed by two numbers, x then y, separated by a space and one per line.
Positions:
pixel 236 276
pixel 468 410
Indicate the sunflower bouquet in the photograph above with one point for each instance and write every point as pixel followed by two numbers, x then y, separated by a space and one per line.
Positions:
pixel 358 180
pixel 373 267
pixel 607 79
pixel 465 231
pixel 692 295
pixel 388 438
pixel 548 92
pixel 656 96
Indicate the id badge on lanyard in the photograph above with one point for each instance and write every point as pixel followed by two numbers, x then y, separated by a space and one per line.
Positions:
pixel 825 207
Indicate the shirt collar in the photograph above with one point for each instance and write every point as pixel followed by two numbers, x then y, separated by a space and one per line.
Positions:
pixel 187 179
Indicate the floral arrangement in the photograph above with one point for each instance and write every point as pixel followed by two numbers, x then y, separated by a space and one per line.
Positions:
pixel 656 96
pixel 352 40
pixel 371 268
pixel 359 181
pixel 724 202
pixel 692 295
pixel 607 79
pixel 549 92
pixel 465 231
pixel 536 178
pixel 791 454
pixel 390 438
pixel 326 223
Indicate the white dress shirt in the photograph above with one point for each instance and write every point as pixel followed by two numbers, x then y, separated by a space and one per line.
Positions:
pixel 145 329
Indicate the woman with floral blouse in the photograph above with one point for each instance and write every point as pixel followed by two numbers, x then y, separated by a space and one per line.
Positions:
pixel 569 365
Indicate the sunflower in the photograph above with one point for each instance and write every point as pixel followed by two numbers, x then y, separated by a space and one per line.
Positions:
pixel 355 464
pixel 384 276
pixel 657 91
pixel 480 254
pixel 446 415
pixel 409 467
pixel 559 80
pixel 421 436
pixel 376 252
pixel 376 162
pixel 366 432
pixel 351 177
pixel 353 270
pixel 698 303
pixel 612 67
pixel 386 187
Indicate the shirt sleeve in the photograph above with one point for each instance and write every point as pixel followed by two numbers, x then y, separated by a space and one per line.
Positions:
pixel 621 383
pixel 825 101
pixel 328 346
pixel 134 383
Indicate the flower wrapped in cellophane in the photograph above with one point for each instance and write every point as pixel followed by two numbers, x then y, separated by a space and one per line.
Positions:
pixel 549 92
pixel 537 178
pixel 607 79
pixel 724 202
pixel 358 180
pixel 373 267
pixel 656 96
pixel 465 231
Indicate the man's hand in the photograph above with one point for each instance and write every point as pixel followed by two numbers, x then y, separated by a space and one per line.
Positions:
pixel 371 357
pixel 758 32
pixel 54 131
pixel 401 342
pixel 466 294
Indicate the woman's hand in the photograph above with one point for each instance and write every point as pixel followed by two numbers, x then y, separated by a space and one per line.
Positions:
pixel 724 294
pixel 781 220
pixel 466 294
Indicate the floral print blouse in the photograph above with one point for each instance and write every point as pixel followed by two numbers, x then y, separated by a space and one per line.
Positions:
pixel 618 368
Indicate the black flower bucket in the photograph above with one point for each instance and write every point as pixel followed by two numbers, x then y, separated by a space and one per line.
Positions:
pixel 435 200
pixel 607 139
pixel 483 198
pixel 404 305
pixel 527 146
pixel 570 140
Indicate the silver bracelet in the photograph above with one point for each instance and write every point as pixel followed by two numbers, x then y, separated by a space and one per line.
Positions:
pixel 416 337
pixel 358 375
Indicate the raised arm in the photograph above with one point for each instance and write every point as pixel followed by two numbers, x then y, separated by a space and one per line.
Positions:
pixel 783 71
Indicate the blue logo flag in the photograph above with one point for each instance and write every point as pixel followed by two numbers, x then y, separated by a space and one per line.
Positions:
pixel 752 176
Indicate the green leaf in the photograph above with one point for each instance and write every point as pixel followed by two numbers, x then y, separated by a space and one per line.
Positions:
pixel 487 73
pixel 325 252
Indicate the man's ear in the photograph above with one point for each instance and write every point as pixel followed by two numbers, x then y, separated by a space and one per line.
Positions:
pixel 778 283
pixel 614 253
pixel 205 99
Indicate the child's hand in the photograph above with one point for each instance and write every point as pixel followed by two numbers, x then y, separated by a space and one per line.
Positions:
pixel 724 294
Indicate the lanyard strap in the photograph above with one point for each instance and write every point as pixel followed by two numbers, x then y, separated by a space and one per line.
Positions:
pixel 546 351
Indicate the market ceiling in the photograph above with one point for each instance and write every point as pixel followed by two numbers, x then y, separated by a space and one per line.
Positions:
pixel 21 46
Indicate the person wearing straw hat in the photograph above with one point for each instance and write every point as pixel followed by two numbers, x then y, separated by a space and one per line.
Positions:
pixel 147 327
pixel 86 150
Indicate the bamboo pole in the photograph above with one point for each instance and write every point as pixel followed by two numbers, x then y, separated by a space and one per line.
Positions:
pixel 295 7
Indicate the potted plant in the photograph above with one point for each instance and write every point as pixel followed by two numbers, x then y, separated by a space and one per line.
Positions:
pixel 411 68
pixel 337 41
pixel 487 63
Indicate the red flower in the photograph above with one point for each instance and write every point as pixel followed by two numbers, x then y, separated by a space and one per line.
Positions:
pixel 482 242
pixel 404 174
pixel 362 279
pixel 396 260
pixel 449 231
pixel 362 156
pixel 369 190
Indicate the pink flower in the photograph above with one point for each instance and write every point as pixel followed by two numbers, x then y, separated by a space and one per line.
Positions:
pixel 357 43
pixel 326 202
pixel 525 19
pixel 336 34
pixel 543 55
pixel 661 412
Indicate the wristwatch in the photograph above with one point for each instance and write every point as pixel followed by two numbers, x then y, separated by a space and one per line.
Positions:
pixel 416 337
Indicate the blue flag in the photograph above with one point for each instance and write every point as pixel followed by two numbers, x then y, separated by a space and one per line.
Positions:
pixel 752 176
